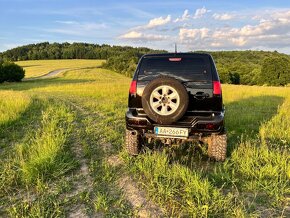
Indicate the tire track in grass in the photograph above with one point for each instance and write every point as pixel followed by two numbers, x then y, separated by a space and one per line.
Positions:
pixel 83 184
pixel 93 186
pixel 136 196
pixel 84 181
pixel 133 194
pixel 43 158
pixel 138 199
pixel 80 180
pixel 141 206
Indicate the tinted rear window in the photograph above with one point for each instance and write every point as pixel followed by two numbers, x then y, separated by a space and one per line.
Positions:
pixel 188 68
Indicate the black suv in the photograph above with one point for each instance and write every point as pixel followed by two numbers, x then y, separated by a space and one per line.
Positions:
pixel 176 98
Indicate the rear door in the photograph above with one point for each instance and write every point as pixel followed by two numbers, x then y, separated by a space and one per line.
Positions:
pixel 194 71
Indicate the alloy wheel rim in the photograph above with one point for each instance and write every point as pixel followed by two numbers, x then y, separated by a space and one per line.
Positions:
pixel 164 100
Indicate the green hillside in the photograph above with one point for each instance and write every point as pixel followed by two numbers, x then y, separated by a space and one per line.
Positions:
pixel 235 67
pixel 250 67
pixel 62 138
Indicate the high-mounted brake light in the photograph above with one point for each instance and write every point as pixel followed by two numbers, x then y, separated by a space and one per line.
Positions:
pixel 175 59
pixel 217 89
pixel 133 87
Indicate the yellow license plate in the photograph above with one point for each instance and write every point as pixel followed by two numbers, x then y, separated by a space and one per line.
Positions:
pixel 171 131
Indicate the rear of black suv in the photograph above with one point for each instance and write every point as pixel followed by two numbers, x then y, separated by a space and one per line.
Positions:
pixel 176 98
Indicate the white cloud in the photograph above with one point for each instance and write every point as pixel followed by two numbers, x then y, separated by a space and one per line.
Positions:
pixel 256 17
pixel 161 21
pixel 282 16
pixel 193 34
pixel 131 35
pixel 270 30
pixel 239 41
pixel 156 22
pixel 200 12
pixel 138 36
pixel 268 33
pixel 184 17
pixel 215 44
pixel 224 16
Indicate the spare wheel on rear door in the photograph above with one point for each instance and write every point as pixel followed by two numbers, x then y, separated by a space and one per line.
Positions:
pixel 165 100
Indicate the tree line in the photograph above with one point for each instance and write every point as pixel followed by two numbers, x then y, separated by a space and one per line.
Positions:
pixel 46 50
pixel 234 67
pixel 253 67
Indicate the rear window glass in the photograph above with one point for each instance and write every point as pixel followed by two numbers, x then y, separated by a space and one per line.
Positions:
pixel 186 67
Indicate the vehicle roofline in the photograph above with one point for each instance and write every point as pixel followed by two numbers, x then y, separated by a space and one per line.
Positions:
pixel 182 54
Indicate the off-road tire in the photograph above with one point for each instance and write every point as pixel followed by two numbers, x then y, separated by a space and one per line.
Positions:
pixel 132 142
pixel 217 147
pixel 178 86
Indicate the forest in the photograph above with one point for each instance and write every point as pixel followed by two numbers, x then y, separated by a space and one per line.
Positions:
pixel 234 67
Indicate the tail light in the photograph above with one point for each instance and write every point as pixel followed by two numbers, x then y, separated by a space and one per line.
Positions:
pixel 217 89
pixel 133 87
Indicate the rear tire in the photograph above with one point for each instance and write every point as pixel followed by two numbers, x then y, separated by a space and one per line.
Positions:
pixel 171 83
pixel 217 147
pixel 132 142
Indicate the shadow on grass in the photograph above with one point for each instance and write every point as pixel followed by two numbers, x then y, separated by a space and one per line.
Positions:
pixel 248 179
pixel 31 65
pixel 243 121
pixel 245 117
pixel 13 131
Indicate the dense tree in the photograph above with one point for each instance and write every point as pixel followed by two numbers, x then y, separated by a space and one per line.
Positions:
pixel 11 72
pixel 234 67
pixel 245 64
pixel 2 77
pixel 276 71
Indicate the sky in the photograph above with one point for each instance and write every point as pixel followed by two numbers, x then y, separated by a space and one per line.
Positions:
pixel 192 25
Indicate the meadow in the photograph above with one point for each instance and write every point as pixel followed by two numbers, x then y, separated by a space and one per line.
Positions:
pixel 42 67
pixel 61 153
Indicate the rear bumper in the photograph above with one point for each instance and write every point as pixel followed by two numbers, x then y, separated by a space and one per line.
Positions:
pixel 198 122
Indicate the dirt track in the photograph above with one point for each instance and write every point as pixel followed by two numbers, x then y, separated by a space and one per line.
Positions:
pixel 48 75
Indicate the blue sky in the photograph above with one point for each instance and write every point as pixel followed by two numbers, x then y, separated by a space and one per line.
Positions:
pixel 193 25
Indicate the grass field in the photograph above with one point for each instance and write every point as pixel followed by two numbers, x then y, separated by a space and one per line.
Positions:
pixel 61 153
pixel 42 67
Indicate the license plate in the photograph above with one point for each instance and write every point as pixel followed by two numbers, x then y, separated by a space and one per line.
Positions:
pixel 170 131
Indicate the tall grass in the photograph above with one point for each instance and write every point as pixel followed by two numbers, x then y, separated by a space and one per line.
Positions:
pixel 259 169
pixel 12 104
pixel 181 191
pixel 45 156
pixel 278 128
pixel 254 178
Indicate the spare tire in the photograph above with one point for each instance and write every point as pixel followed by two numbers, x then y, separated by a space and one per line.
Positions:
pixel 165 100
